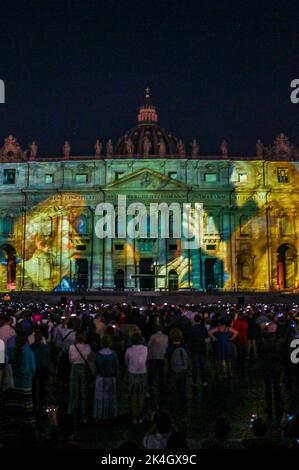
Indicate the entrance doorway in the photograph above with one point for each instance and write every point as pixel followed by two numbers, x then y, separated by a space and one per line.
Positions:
pixel 286 267
pixel 173 280
pixel 81 274
pixel 8 259
pixel 146 267
pixel 210 278
pixel 119 279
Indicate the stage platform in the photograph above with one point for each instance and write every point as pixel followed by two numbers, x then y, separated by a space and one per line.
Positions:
pixel 145 297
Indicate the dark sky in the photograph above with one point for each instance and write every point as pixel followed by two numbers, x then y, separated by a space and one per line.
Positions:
pixel 76 70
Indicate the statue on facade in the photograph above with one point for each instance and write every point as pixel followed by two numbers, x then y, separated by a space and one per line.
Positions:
pixel 282 144
pixel 224 148
pixel 146 146
pixel 194 148
pixel 129 146
pixel 66 149
pixel 109 148
pixel 181 148
pixel 162 148
pixel 98 148
pixel 259 148
pixel 33 150
pixel 11 148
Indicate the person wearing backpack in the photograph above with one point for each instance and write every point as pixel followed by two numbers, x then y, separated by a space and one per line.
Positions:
pixel 178 363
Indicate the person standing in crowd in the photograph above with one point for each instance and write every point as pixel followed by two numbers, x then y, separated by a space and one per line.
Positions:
pixel 271 363
pixel 136 359
pixel 99 325
pixel 198 349
pixel 157 347
pixel 241 326
pixel 223 336
pixel 107 367
pixel 6 330
pixel 18 400
pixel 79 357
pixel 251 334
pixel 40 380
pixel 178 363
pixel 158 435
pixel 6 333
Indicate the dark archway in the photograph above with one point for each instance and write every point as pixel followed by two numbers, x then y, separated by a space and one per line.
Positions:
pixel 286 266
pixel 210 277
pixel 81 266
pixel 8 259
pixel 173 280
pixel 119 279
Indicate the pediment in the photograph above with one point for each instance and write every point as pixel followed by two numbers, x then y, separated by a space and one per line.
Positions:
pixel 147 180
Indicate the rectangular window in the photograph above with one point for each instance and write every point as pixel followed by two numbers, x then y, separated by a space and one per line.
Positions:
pixel 49 179
pixel 211 247
pixel 81 178
pixel 119 247
pixel 118 175
pixel 283 175
pixel 9 176
pixel 243 178
pixel 172 246
pixel 210 177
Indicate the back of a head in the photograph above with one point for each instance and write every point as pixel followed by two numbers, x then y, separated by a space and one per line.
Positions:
pixel 162 421
pixel 80 336
pixel 222 428
pixel 197 318
pixel 177 441
pixel 176 335
pixel 259 427
pixel 106 342
pixel 136 338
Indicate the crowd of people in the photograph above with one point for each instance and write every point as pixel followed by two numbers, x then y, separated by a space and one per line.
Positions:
pixel 74 363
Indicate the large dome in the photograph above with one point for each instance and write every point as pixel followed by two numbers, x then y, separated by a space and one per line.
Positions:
pixel 148 139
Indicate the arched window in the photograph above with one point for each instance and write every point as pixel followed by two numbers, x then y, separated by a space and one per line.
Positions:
pixel 244 268
pixel 173 280
pixel 211 227
pixel 286 225
pixel 81 225
pixel 47 271
pixel 245 225
pixel 7 225
pixel 46 227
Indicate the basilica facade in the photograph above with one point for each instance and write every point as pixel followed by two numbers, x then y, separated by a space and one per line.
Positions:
pixel 48 215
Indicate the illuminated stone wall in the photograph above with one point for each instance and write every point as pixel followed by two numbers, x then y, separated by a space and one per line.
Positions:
pixel 47 219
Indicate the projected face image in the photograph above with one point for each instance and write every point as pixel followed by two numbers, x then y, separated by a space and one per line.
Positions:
pixel 50 245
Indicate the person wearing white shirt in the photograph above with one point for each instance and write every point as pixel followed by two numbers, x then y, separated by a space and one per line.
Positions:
pixel 136 359
pixel 79 356
pixel 6 330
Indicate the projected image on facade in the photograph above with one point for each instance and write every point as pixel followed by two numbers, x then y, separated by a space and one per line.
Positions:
pixel 48 215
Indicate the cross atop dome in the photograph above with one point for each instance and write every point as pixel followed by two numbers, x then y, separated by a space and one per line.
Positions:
pixel 147 95
pixel 147 112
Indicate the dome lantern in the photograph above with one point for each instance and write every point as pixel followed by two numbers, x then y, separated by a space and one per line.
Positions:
pixel 147 112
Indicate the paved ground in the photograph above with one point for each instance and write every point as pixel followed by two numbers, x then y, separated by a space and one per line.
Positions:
pixel 236 398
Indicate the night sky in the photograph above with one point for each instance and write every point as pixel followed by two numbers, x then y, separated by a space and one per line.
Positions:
pixel 76 70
